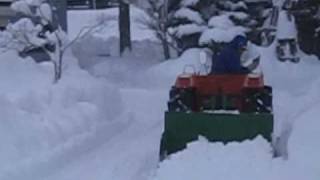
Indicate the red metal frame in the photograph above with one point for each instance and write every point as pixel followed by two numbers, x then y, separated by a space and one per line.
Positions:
pixel 220 85
pixel 217 84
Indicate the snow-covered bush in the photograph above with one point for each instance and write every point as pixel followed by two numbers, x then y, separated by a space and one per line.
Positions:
pixel 38 29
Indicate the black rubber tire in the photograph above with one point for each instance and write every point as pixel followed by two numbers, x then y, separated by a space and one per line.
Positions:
pixel 257 101
pixel 181 100
pixel 264 100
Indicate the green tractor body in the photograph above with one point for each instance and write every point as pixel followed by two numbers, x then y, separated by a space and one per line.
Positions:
pixel 216 111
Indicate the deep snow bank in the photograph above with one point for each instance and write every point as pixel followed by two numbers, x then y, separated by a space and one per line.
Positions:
pixel 286 76
pixel 206 161
pixel 304 144
pixel 38 116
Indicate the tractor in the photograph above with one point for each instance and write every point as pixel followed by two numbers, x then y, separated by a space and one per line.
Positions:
pixel 220 107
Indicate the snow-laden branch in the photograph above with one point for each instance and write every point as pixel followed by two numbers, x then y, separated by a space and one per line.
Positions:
pixel 157 21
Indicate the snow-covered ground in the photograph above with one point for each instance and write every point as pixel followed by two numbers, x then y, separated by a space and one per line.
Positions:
pixel 105 122
pixel 39 119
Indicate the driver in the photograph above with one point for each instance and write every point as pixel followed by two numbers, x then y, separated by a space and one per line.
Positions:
pixel 234 58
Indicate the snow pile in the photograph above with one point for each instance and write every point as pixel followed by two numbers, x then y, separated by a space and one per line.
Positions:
pixel 297 77
pixel 296 103
pixel 206 161
pixel 38 116
pixel 298 118
pixel 304 145
pixel 165 74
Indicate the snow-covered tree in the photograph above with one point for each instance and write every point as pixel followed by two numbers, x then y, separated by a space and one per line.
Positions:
pixel 37 29
pixel 307 15
pixel 198 23
pixel 186 23
pixel 157 21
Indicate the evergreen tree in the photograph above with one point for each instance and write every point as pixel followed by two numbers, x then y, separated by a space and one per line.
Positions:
pixel 186 23
pixel 307 14
pixel 198 23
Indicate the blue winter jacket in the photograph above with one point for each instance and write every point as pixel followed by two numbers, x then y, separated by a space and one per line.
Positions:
pixel 228 61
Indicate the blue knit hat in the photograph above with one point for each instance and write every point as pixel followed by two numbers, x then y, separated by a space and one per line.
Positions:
pixel 239 41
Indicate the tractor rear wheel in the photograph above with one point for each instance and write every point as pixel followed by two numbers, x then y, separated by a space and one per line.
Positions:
pixel 259 101
pixel 181 99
